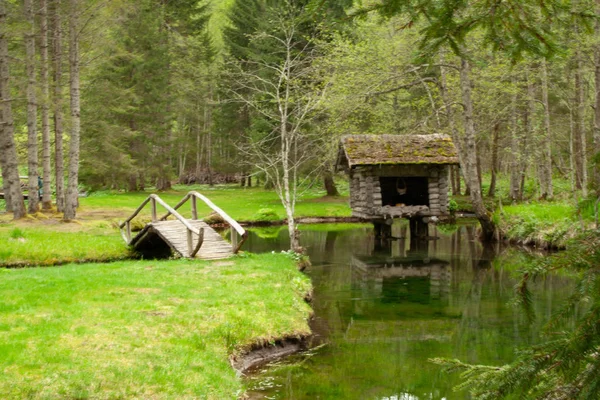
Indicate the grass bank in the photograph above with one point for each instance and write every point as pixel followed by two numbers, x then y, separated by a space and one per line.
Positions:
pixel 42 239
pixel 544 224
pixel 143 329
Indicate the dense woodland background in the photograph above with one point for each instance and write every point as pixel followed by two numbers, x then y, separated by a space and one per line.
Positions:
pixel 134 94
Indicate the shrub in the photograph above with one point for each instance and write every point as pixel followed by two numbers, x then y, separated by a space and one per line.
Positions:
pixel 266 214
pixel 16 234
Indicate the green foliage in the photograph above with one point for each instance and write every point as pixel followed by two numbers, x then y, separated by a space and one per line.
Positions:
pixel 567 364
pixel 452 206
pixel 16 234
pixel 265 214
pixel 542 224
pixel 513 26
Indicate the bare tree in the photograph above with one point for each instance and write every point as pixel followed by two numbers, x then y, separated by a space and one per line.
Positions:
pixel 72 197
pixel 281 90
pixel 10 171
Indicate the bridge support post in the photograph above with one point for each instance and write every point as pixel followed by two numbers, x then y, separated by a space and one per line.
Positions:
pixel 194 208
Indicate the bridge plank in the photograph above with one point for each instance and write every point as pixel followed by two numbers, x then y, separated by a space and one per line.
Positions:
pixel 174 234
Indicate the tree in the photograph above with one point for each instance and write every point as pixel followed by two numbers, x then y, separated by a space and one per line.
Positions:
pixel 45 81
pixel 72 195
pixel 10 171
pixel 57 106
pixel 32 145
pixel 279 87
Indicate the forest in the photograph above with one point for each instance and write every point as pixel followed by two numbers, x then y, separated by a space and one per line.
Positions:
pixel 127 95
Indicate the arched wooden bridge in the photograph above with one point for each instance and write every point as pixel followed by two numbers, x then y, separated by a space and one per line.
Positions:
pixel 191 238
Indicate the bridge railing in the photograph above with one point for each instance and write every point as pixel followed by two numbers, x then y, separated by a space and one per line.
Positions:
pixel 236 228
pixel 154 200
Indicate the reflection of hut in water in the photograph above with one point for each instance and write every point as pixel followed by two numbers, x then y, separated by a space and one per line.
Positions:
pixel 400 299
pixel 397 175
pixel 397 279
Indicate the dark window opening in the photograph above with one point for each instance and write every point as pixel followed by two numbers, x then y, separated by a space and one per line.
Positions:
pixel 412 191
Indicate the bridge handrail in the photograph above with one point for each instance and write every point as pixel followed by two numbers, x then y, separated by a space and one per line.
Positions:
pixel 195 195
pixel 153 199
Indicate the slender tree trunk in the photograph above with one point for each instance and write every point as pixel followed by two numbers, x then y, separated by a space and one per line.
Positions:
pixel 526 139
pixel 329 183
pixel 72 199
pixel 452 125
pixel 470 155
pixel 572 162
pixel 582 140
pixel 494 165
pixel 208 131
pixel 10 167
pixel 5 175
pixel 32 145
pixel 46 167
pixel 546 151
pixel 57 58
pixel 515 148
pixel 596 134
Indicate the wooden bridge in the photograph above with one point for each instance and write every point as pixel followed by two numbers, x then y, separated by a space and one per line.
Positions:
pixel 191 238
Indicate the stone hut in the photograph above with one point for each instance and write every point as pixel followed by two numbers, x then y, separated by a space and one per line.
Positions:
pixel 397 175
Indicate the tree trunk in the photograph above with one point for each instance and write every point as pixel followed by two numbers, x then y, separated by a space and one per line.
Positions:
pixel 470 156
pixel 582 141
pixel 57 58
pixel 515 147
pixel 72 199
pixel 596 133
pixel 46 167
pixel 531 134
pixel 10 167
pixel 546 145
pixel 329 183
pixel 32 145
pixel 452 126
pixel 494 165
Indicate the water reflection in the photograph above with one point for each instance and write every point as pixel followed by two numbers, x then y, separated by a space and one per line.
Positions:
pixel 385 308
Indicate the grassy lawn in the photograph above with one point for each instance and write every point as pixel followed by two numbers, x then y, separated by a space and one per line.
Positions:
pixel 43 239
pixel 142 329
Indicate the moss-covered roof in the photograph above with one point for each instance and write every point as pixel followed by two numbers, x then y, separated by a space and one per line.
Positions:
pixel 396 149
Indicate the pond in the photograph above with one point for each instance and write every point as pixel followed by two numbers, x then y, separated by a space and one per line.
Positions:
pixel 382 310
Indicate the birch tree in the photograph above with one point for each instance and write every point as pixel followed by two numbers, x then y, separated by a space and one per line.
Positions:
pixel 280 89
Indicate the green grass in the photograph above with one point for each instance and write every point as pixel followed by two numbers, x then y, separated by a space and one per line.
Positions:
pixel 545 224
pixel 242 204
pixel 142 329
pixel 35 245
pixel 95 237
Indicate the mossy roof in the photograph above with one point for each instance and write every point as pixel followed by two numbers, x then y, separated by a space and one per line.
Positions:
pixel 396 149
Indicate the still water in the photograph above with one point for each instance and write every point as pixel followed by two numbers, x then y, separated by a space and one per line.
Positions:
pixel 382 310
